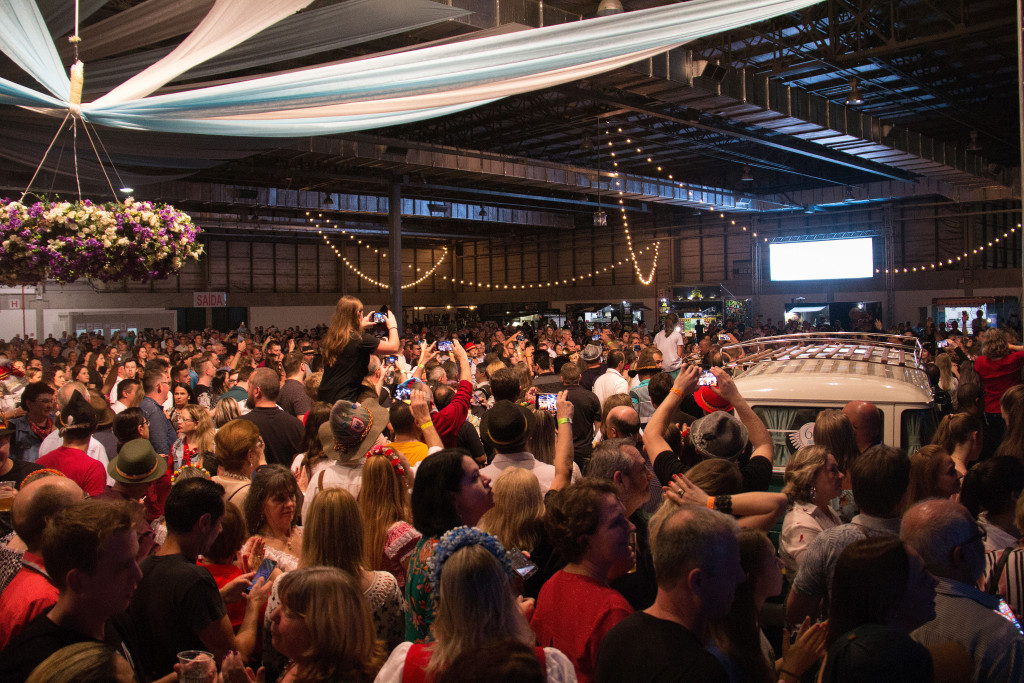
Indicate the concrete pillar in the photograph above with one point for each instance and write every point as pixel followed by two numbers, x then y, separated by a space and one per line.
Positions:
pixel 395 221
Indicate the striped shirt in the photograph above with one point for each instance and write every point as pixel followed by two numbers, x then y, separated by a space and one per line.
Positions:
pixel 1011 578
pixel 966 615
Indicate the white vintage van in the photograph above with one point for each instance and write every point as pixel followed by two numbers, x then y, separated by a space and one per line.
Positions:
pixel 789 379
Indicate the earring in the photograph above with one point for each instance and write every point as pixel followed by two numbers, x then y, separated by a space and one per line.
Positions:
pixel 814 492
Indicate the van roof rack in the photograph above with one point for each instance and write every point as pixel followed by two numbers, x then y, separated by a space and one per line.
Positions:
pixel 848 346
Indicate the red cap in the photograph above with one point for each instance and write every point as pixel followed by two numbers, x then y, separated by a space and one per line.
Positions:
pixel 707 399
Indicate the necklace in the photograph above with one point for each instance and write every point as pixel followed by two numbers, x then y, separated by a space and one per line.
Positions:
pixel 232 475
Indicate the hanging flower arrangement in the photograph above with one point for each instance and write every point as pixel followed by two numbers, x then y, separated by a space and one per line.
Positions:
pixel 65 241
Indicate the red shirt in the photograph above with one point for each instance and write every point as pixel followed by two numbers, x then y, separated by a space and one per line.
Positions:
pixel 449 420
pixel 574 613
pixel 78 467
pixel 999 375
pixel 28 595
pixel 222 574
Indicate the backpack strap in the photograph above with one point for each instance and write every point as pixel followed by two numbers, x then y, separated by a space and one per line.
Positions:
pixel 992 585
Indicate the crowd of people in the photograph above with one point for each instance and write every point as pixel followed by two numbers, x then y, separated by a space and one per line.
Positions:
pixel 368 501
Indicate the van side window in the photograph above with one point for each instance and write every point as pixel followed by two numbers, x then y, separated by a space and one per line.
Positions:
pixel 917 428
pixel 784 423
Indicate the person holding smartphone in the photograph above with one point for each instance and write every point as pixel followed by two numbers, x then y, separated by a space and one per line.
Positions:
pixel 346 349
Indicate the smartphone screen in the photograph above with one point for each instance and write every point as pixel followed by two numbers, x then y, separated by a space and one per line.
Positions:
pixel 390 360
pixel 444 346
pixel 596 337
pixel 379 318
pixel 942 343
pixel 707 379
pixel 403 392
pixel 264 571
pixel 522 564
pixel 723 337
pixel 547 402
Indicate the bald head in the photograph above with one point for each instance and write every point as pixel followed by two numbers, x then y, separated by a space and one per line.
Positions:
pixel 947 538
pixel 623 422
pixel 867 423
pixel 37 502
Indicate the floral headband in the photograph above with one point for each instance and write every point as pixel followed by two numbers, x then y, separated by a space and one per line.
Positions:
pixel 174 477
pixel 460 537
pixel 391 454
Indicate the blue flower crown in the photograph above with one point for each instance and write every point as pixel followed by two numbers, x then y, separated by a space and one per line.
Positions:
pixel 460 537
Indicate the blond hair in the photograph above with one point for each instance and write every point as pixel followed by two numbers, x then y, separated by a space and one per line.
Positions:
pixel 343 643
pixel 344 325
pixel 803 467
pixel 517 518
pixel 383 500
pixel 475 605
pixel 333 533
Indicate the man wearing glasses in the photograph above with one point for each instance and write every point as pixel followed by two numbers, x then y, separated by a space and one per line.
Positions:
pixel 35 425
pixel 157 385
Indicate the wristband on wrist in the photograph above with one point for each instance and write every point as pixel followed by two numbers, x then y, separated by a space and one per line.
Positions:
pixel 724 504
pixel 711 502
pixel 783 672
pixel 426 424
pixel 564 420
pixel 420 366
pixel 676 391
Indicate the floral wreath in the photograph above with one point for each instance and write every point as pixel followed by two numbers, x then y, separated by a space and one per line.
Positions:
pixel 174 476
pixel 391 454
pixel 460 537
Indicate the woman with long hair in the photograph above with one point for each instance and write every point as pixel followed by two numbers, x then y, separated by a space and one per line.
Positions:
pixel 932 475
pixel 346 349
pixel 389 538
pixel 961 436
pixel 221 383
pixel 323 626
pixel 517 518
pixel 180 397
pixel 1011 408
pixel 737 639
pixel 834 431
pixel 999 367
pixel 226 411
pixel 812 481
pixel 195 444
pixel 333 537
pixel 312 452
pixel 449 491
pixel 476 605
pixel 270 509
pixel 949 379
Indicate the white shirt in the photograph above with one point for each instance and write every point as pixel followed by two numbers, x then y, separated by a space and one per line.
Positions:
pixel 348 477
pixel 611 382
pixel 502 461
pixel 96 451
pixel 802 525
pixel 118 407
pixel 669 347
pixel 558 667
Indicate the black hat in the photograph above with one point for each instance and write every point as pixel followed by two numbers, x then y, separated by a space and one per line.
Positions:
pixel 507 423
pixel 78 413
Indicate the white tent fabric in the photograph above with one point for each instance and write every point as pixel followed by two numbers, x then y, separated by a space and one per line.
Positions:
pixel 26 40
pixel 300 35
pixel 417 84
pixel 229 23
pixel 151 22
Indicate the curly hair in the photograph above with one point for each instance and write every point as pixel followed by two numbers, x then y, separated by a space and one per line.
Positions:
pixel 574 512
pixel 801 471
pixel 994 344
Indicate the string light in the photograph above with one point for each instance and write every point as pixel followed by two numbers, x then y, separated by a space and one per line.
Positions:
pixel 541 285
pixel 383 285
pixel 950 260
